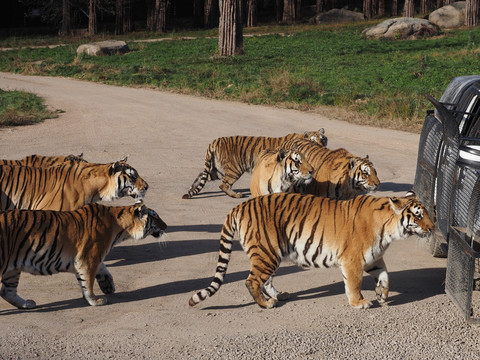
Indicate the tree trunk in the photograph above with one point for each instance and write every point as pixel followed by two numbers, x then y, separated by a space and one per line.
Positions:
pixel 394 8
pixel 425 7
pixel 211 13
pixel 381 8
pixel 471 12
pixel 251 13
pixel 408 9
pixel 66 24
pixel 288 12
pixel 119 17
pixel 127 16
pixel 230 36
pixel 367 9
pixel 161 15
pixel 92 17
pixel 319 6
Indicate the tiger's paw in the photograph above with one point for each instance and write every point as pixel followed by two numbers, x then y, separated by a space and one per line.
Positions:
pixel 28 304
pixel 361 304
pixel 105 282
pixel 97 301
pixel 283 296
pixel 270 303
pixel 382 294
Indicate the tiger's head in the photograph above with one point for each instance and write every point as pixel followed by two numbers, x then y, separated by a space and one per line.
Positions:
pixel 413 216
pixel 298 171
pixel 363 175
pixel 128 182
pixel 141 221
pixel 317 136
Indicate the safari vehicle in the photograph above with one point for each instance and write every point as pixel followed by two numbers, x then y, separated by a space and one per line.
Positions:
pixel 447 180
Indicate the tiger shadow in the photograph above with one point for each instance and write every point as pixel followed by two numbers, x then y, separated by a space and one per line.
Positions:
pixel 212 194
pixel 408 286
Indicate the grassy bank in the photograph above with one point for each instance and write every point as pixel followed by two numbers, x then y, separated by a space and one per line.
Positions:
pixel 21 108
pixel 307 68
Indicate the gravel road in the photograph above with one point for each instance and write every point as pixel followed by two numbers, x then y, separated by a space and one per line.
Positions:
pixel 165 137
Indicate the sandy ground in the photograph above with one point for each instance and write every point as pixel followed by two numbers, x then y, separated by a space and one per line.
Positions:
pixel 165 137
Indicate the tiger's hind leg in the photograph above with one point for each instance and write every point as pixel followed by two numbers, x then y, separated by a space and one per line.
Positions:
pixel 230 177
pixel 9 291
pixel 380 274
pixel 105 279
pixel 86 279
pixel 270 290
pixel 256 282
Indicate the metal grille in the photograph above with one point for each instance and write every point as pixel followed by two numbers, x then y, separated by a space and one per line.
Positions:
pixel 428 150
pixel 460 271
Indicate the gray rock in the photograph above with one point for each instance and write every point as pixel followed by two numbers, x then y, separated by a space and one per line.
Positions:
pixel 101 48
pixel 402 28
pixel 449 16
pixel 337 16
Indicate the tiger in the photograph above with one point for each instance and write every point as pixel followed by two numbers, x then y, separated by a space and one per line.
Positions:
pixel 228 158
pixel 279 171
pixel 43 161
pixel 67 186
pixel 338 174
pixel 46 242
pixel 313 231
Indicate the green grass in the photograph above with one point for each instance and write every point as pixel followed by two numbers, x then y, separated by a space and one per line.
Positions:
pixel 306 67
pixel 21 108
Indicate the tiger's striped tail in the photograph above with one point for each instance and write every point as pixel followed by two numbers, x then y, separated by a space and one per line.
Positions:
pixel 202 178
pixel 226 242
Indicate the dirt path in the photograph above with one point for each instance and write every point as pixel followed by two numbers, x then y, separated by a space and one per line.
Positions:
pixel 165 137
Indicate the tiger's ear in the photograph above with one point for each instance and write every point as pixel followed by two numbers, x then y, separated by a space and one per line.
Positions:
pixel 351 163
pixel 124 159
pixel 281 155
pixel 411 193
pixel 366 157
pixel 395 205
pixel 116 167
pixel 322 131
pixel 141 211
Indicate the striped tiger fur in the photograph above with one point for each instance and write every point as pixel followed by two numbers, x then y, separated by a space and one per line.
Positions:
pixel 337 173
pixel 67 186
pixel 44 242
pixel 317 232
pixel 279 171
pixel 228 158
pixel 43 161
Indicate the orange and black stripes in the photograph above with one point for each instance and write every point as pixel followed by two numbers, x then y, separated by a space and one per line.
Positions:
pixel 315 232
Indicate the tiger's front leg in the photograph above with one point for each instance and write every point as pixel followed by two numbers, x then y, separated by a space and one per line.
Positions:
pixel 352 277
pixel 105 279
pixel 9 291
pixel 86 279
pixel 380 274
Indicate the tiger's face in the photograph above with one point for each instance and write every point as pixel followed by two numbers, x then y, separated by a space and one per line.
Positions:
pixel 414 218
pixel 146 222
pixel 299 171
pixel 129 183
pixel 364 176
pixel 317 136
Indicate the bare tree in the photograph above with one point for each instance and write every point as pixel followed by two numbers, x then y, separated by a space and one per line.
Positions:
pixel 471 12
pixel 367 9
pixel 66 24
pixel 211 13
pixel 119 17
pixel 161 15
pixel 251 13
pixel 408 9
pixel 381 8
pixel 288 12
pixel 394 8
pixel 230 32
pixel 319 6
pixel 92 17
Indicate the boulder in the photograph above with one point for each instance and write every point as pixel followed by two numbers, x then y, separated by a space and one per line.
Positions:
pixel 337 16
pixel 401 28
pixel 449 16
pixel 100 48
